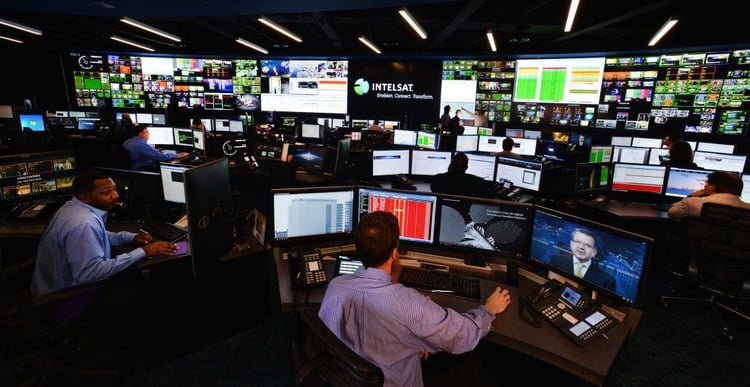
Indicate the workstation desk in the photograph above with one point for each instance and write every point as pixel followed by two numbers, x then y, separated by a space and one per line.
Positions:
pixel 590 362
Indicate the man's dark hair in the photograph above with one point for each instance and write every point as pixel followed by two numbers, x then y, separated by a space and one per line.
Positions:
pixel 508 144
pixel 84 182
pixel 138 129
pixel 726 182
pixel 375 237
pixel 460 162
pixel 680 152
pixel 446 108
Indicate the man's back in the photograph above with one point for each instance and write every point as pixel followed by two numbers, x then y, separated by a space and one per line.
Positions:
pixel 461 183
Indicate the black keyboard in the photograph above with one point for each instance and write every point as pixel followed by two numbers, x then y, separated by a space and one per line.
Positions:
pixel 441 282
pixel 164 230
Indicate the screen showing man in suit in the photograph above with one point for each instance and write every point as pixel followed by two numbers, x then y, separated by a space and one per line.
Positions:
pixel 580 261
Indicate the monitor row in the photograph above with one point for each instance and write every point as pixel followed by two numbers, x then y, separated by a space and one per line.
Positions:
pixel 169 136
pixel 491 231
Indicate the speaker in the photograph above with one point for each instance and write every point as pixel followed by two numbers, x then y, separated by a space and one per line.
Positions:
pixel 511 273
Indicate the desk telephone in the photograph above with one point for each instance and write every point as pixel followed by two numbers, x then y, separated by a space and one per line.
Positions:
pixel 506 190
pixel 571 312
pixel 306 269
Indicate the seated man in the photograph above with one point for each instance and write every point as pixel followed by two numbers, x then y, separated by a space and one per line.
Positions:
pixel 456 181
pixel 75 247
pixel 142 154
pixel 508 145
pixel 720 187
pixel 389 324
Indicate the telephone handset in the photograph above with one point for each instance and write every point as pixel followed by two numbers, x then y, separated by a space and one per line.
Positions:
pixel 306 269
pixel 505 189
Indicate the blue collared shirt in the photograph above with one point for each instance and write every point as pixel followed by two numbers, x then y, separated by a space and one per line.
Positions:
pixel 142 154
pixel 75 249
pixel 389 324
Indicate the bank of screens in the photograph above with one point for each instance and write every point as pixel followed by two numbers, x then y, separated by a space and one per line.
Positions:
pixel 600 154
pixel 592 178
pixel 173 182
pixel 307 214
pixel 682 181
pixel 467 143
pixel 522 173
pixel 390 162
pixel 617 260
pixel 29 175
pixel 404 137
pixel 646 142
pixel 429 163
pixel 720 161
pixel 638 178
pixel 715 147
pixel 416 211
pixel 490 144
pixel 160 135
pixel 656 155
pixel 482 166
pixel 427 140
pixel 484 225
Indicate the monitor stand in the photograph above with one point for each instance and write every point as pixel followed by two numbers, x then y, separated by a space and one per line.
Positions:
pixel 475 260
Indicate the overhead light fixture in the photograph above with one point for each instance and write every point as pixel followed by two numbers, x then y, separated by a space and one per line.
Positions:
pixel 369 44
pixel 153 30
pixel 571 14
pixel 491 39
pixel 251 45
pixel 21 27
pixel 132 43
pixel 11 39
pixel 663 30
pixel 279 28
pixel 412 22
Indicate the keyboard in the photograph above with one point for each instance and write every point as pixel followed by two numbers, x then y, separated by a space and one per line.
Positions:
pixel 441 282
pixel 164 230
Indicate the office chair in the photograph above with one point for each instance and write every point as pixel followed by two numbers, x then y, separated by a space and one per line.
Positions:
pixel 715 263
pixel 323 360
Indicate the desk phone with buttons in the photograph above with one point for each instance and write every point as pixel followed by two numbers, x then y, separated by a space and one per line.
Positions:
pixel 306 269
pixel 571 312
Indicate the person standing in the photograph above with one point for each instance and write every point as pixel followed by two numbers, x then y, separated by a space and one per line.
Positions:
pixel 445 119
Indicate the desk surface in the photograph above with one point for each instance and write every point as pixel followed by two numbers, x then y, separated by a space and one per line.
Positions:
pixel 633 210
pixel 591 362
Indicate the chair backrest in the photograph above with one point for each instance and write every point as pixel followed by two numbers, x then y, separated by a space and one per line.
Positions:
pixel 336 363
pixel 719 249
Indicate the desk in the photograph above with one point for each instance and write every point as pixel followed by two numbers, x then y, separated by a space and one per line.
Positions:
pixel 591 363
pixel 631 210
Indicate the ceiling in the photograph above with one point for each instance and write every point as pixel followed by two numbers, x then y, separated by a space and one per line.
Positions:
pixel 329 28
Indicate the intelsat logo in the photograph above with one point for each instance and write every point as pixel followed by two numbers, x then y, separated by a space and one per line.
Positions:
pixel 361 86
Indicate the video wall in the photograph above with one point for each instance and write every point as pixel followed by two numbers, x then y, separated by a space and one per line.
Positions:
pixel 692 92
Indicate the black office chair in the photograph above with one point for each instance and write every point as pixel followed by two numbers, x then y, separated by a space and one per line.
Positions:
pixel 323 360
pixel 715 263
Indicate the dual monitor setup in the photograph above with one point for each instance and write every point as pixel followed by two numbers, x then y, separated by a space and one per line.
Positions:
pixel 478 230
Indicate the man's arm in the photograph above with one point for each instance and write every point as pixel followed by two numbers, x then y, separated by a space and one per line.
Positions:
pixel 87 256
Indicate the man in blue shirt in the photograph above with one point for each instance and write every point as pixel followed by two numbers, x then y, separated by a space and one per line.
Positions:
pixel 389 324
pixel 75 247
pixel 142 154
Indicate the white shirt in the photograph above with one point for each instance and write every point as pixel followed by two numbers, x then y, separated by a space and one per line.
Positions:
pixel 692 206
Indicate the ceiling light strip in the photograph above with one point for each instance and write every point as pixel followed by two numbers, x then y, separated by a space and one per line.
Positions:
pixel 251 45
pixel 21 27
pixel 663 30
pixel 491 40
pixel 571 14
pixel 132 43
pixel 413 23
pixel 153 30
pixel 369 44
pixel 268 22
pixel 11 39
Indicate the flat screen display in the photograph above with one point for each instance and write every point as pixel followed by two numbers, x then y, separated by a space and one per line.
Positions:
pixel 183 137
pixel 490 144
pixel 305 214
pixel 641 178
pixel 600 154
pixel 28 175
pixel 630 154
pixel 559 80
pixel 427 140
pixel 416 211
pixel 466 143
pixel 429 163
pixel 304 86
pixel 173 182
pixel 683 181
pixel 524 146
pixel 160 135
pixel 522 173
pixel 714 147
pixel 390 162
pixel 646 142
pixel 482 166
pixel 404 137
pixel 720 161
pixel 592 178
pixel 34 122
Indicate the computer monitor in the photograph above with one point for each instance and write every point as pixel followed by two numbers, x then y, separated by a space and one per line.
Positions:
pixel 199 139
pixel 312 133
pixel 592 178
pixel 404 137
pixel 600 154
pixel 159 119
pixel 144 118
pixel 87 123
pixel 720 161
pixel 483 131
pixel 524 146
pixel 638 180
pixel 646 142
pixel 522 173
pixel 529 133
pixel 490 144
pixel 470 130
pixel 309 158
pixel 341 167
pixel 482 166
pixel 683 181
pixel 619 256
pixel 630 154
pixel 574 139
pixel 78 114
pixel 416 211
pixel 221 125
pixel 714 147
pixel 208 123
pixel 210 210
pixel 429 163
pixel 427 140
pixel 359 124
pixel 306 215
pixel 390 162
pixel 390 125
pixel 183 137
pixel 173 182
pixel 746 187
pixel 553 150
pixel 236 126
pixel 622 140
pixel 656 155
pixel 26 176
pixel 160 135
pixel 517 133
pixel 32 121
pixel 484 230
